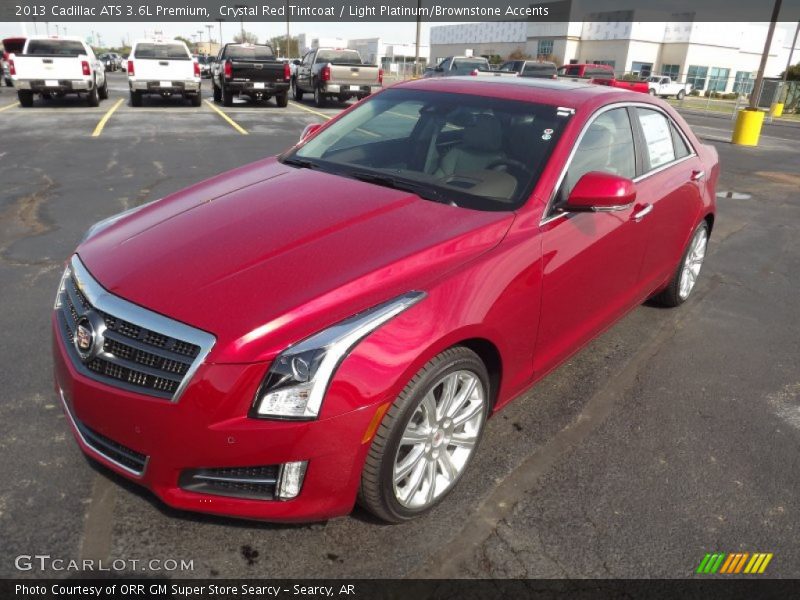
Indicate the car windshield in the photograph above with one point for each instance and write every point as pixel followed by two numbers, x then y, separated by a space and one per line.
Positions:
pixel 339 57
pixel 55 48
pixel 162 51
pixel 250 52
pixel 471 151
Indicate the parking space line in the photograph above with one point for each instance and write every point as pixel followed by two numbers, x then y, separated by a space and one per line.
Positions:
pixel 230 121
pixel 305 108
pixel 99 129
pixel 7 106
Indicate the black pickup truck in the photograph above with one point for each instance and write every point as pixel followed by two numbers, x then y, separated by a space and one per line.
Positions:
pixel 250 70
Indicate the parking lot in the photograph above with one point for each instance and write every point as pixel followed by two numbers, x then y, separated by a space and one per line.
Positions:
pixel 675 434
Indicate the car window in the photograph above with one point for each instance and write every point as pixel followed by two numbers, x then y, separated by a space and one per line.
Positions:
pixel 341 57
pixel 606 146
pixel 162 51
pixel 393 124
pixel 250 52
pixel 445 65
pixel 570 71
pixel 681 149
pixel 539 69
pixel 467 65
pixel 657 137
pixel 55 48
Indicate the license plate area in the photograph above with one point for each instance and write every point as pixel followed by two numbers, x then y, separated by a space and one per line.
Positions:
pixel 165 84
pixel 355 88
pixel 259 85
pixel 51 83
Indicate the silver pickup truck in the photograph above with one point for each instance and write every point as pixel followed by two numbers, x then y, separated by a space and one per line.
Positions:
pixel 334 73
pixel 454 66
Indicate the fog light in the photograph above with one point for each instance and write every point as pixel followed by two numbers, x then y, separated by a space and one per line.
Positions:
pixel 290 479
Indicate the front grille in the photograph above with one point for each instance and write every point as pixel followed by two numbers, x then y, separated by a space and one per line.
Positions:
pixel 255 483
pixel 113 451
pixel 139 351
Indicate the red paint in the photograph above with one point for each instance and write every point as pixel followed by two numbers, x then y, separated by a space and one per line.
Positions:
pixel 266 255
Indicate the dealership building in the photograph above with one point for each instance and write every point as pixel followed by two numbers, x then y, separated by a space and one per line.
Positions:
pixel 721 57
pixel 392 57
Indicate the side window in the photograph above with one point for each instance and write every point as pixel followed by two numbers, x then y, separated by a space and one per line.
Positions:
pixel 607 146
pixel 681 149
pixel 445 64
pixel 657 137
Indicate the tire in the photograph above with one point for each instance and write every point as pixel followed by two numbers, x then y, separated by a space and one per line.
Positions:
pixel 652 92
pixel 680 95
pixel 679 289
pixel 282 100
pixel 93 97
pixel 217 94
pixel 136 98
pixel 342 99
pixel 104 90
pixel 227 97
pixel 25 98
pixel 319 98
pixel 195 100
pixel 381 492
pixel 297 93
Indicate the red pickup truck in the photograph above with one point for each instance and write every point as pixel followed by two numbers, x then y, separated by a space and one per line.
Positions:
pixel 601 75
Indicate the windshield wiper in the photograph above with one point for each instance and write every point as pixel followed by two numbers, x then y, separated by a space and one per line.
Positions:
pixel 302 163
pixel 420 189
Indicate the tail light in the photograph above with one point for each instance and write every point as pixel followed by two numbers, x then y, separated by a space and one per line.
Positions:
pixel 474 72
pixel 131 70
pixel 197 69
pixel 380 76
pixel 85 67
pixel 325 75
pixel 228 69
pixel 287 71
pixel 12 70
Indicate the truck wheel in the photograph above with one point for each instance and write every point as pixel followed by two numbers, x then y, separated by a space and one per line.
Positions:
pixel 104 90
pixel 25 98
pixel 195 99
pixel 93 97
pixel 297 93
pixel 652 92
pixel 319 98
pixel 681 94
pixel 282 100
pixel 227 97
pixel 136 98
pixel 217 94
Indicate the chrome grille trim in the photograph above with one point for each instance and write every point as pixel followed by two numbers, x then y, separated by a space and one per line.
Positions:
pixel 156 346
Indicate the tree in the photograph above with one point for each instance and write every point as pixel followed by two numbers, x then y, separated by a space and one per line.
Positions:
pixel 279 41
pixel 519 54
pixel 794 73
pixel 245 37
pixel 184 40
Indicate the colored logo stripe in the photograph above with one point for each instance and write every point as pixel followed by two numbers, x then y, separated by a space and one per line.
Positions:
pixel 734 562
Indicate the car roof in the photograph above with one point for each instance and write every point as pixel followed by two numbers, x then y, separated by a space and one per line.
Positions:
pixel 542 91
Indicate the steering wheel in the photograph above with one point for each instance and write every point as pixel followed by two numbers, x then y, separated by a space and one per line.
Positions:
pixel 510 164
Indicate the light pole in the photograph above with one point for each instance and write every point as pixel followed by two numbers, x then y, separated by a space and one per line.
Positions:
pixel 419 26
pixel 220 30
pixel 209 27
pixel 791 53
pixel 288 35
pixel 759 84
pixel 241 7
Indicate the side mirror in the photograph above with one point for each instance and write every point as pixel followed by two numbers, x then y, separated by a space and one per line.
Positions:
pixel 309 130
pixel 601 192
pixel 296 63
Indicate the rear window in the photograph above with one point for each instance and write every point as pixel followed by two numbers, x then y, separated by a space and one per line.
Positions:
pixel 248 52
pixel 342 57
pixel 55 48
pixel 168 51
pixel 469 64
pixel 539 70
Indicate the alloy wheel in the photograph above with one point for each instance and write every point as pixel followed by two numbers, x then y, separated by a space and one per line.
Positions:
pixel 693 262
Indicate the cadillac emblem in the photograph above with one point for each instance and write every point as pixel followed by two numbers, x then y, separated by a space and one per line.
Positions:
pixel 85 337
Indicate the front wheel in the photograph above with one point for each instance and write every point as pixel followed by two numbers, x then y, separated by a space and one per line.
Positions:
pixel 652 92
pixel 297 93
pixel 427 438
pixel 685 277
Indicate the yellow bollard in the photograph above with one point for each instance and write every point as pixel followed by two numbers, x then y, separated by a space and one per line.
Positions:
pixel 748 127
pixel 777 109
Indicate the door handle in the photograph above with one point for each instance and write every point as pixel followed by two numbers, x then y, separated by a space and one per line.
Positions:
pixel 697 175
pixel 643 212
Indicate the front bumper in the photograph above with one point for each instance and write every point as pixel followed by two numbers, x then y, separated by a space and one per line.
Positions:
pixel 154 441
pixel 166 87
pixel 54 86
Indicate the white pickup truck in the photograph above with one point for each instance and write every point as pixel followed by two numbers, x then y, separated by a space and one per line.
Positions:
pixel 661 85
pixel 56 66
pixel 164 68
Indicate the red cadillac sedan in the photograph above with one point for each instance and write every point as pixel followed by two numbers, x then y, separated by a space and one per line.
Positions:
pixel 335 325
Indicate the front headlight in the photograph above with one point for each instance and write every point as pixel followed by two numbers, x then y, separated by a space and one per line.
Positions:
pixel 106 223
pixel 298 378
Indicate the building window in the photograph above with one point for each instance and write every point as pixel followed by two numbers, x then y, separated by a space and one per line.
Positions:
pixel 743 83
pixel 544 48
pixel 718 79
pixel 697 77
pixel 671 71
pixel 642 69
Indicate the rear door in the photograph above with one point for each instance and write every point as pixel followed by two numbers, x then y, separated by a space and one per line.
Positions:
pixel 591 260
pixel 671 184
pixel 166 61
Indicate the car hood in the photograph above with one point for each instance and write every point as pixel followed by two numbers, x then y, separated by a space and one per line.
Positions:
pixel 266 255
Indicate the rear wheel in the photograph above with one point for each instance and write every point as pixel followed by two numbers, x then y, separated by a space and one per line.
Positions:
pixel 282 100
pixel 681 94
pixel 319 98
pixel 25 98
pixel 652 92
pixel 195 100
pixel 427 438
pixel 297 93
pixel 136 98
pixel 227 97
pixel 685 277
pixel 93 97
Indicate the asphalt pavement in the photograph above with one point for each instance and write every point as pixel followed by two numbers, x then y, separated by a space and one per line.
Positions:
pixel 674 434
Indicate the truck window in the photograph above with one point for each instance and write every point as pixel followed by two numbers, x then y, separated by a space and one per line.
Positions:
pixel 570 71
pixel 467 65
pixel 162 51
pixel 538 69
pixel 339 57
pixel 250 52
pixel 55 48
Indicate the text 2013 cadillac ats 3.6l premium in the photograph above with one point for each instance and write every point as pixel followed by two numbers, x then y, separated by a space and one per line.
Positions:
pixel 335 325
